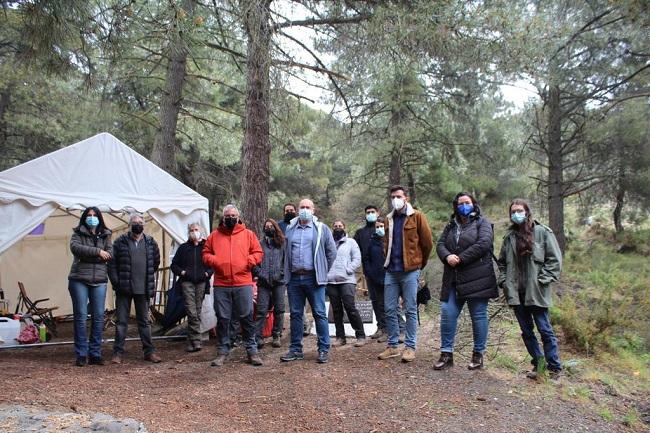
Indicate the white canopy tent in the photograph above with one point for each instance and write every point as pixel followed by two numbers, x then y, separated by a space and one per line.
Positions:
pixel 99 171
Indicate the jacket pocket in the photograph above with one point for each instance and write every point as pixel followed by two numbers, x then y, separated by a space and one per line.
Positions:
pixel 538 253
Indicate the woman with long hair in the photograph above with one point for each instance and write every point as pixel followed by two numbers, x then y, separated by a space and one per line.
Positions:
pixel 92 248
pixel 465 248
pixel 270 285
pixel 529 261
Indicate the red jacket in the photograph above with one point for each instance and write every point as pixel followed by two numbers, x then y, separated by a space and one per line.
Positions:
pixel 232 255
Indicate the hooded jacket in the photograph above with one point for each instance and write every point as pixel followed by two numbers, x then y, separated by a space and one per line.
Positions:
pixel 323 250
pixel 232 254
pixel 418 241
pixel 87 266
pixel 473 243
pixel 543 267
pixel 348 260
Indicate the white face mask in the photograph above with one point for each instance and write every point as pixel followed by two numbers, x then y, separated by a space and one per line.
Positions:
pixel 398 203
pixel 195 235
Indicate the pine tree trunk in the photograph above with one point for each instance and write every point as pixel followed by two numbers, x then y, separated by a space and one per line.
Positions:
pixel 555 166
pixel 256 151
pixel 620 192
pixel 163 153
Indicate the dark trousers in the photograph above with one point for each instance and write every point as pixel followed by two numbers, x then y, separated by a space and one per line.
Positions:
pixel 376 293
pixel 193 294
pixel 122 310
pixel 528 318
pixel 267 297
pixel 342 297
pixel 237 303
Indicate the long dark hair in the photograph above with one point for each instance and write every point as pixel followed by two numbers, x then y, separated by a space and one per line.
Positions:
pixel 454 204
pixel 82 220
pixel 523 232
pixel 278 237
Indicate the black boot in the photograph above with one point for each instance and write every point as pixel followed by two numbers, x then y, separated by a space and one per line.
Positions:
pixel 477 361
pixel 446 361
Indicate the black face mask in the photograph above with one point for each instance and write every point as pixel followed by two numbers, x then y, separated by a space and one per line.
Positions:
pixel 137 229
pixel 338 234
pixel 230 222
pixel 289 216
pixel 269 232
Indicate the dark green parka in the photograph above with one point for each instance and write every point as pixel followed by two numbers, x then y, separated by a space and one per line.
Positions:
pixel 543 267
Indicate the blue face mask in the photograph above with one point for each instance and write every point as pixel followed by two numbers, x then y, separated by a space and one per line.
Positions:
pixel 371 217
pixel 518 217
pixel 92 221
pixel 465 209
pixel 380 231
pixel 305 214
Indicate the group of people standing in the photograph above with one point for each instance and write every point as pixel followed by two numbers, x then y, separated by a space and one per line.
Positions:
pixel 303 256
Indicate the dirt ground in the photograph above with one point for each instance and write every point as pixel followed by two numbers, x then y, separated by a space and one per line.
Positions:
pixel 355 392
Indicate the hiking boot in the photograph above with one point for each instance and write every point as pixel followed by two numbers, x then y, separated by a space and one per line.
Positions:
pixel 408 355
pixel 382 338
pixel 191 348
pixel 197 346
pixel 219 360
pixel 292 356
pixel 96 360
pixel 80 361
pixel 446 361
pixel 276 342
pixel 477 361
pixel 340 342
pixel 360 342
pixel 254 359
pixel 389 352
pixel 116 359
pixel 152 357
pixel 322 358
pixel 554 374
pixel 380 332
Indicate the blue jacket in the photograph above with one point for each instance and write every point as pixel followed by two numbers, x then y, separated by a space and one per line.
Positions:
pixel 323 248
pixel 373 263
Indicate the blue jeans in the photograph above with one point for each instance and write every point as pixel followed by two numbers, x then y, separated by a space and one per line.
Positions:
pixel 528 318
pixel 300 289
pixel 449 312
pixel 82 296
pixel 404 284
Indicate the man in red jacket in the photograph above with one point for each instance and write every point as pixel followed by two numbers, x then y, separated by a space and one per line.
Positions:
pixel 232 251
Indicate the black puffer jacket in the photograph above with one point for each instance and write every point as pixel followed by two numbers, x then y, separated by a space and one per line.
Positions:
pixel 119 269
pixel 188 258
pixel 474 276
pixel 87 266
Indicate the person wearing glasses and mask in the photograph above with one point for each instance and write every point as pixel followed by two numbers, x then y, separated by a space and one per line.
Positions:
pixel 408 244
pixel 91 247
pixel 233 251
pixel 193 277
pixel 132 272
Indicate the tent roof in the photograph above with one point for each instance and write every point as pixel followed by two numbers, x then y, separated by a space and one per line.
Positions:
pixel 99 171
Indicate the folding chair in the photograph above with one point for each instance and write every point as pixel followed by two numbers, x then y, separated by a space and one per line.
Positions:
pixel 40 314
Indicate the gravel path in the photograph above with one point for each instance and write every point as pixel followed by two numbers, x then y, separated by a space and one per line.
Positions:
pixel 355 392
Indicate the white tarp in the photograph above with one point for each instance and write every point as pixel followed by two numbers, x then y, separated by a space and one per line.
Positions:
pixel 99 171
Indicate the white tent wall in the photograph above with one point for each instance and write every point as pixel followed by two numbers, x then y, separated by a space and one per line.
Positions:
pixel 42 262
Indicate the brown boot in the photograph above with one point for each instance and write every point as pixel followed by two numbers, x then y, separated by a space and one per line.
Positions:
pixel 255 360
pixel 152 357
pixel 116 359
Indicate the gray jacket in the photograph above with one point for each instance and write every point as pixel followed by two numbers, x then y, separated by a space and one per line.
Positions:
pixel 272 267
pixel 87 266
pixel 323 248
pixel 348 260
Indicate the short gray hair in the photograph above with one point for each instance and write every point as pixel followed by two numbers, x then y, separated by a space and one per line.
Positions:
pixel 190 225
pixel 230 206
pixel 134 215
